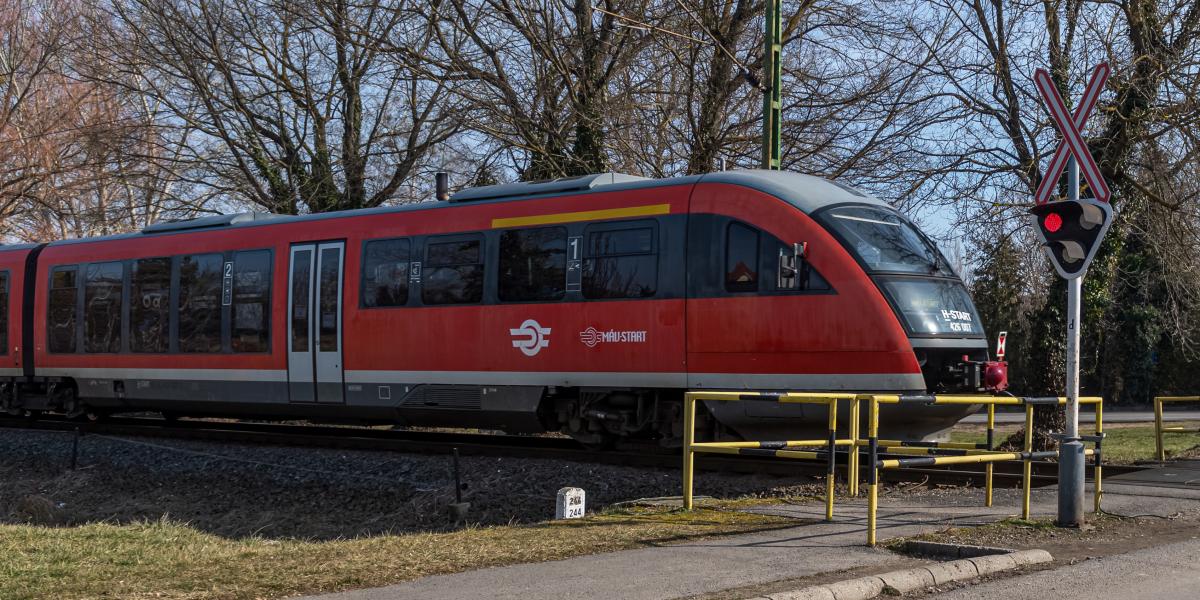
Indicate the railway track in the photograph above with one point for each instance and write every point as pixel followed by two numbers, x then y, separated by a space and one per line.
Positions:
pixel 517 446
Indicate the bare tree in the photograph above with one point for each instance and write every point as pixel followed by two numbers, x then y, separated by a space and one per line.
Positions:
pixel 79 157
pixel 288 103
pixel 538 78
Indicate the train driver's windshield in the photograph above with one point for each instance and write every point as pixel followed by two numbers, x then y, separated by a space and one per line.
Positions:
pixel 886 242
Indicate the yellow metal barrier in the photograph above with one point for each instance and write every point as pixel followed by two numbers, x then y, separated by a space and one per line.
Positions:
pixel 1159 429
pixel 946 453
pixel 778 449
pixel 920 453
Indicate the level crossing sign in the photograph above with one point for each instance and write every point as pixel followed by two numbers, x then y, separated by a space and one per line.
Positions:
pixel 1073 144
pixel 1071 231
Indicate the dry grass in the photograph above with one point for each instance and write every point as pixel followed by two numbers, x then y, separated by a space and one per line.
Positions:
pixel 172 560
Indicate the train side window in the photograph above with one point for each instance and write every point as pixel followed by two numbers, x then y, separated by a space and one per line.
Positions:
pixel 328 299
pixel 301 299
pixel 60 326
pixel 251 317
pixel 3 312
pixel 741 258
pixel 533 264
pixel 200 303
pixel 620 263
pixel 453 270
pixel 385 273
pixel 150 305
pixel 102 286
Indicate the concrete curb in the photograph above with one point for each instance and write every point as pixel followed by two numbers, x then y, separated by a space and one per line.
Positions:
pixel 919 578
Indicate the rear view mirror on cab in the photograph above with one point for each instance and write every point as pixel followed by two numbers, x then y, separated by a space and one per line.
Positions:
pixel 792 266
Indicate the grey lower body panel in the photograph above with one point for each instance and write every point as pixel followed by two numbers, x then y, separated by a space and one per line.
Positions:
pixel 769 421
pixel 511 408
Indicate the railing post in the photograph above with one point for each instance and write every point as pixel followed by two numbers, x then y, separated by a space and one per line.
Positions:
pixel 852 467
pixel 872 468
pixel 1096 485
pixel 831 468
pixel 1027 471
pixel 1158 429
pixel 689 432
pixel 991 445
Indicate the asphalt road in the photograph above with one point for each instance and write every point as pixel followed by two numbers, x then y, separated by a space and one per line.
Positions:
pixel 1163 573
pixel 1086 416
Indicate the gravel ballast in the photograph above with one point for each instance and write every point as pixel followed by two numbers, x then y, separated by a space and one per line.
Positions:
pixel 239 490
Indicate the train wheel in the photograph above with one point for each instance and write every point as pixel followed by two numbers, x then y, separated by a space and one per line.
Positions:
pixel 71 406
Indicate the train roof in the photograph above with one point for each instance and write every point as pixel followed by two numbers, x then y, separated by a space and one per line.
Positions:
pixel 807 193
pixel 12 247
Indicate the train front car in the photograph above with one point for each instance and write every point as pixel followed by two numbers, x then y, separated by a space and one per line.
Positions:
pixel 885 311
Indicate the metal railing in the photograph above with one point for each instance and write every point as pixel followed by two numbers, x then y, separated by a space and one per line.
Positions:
pixel 778 449
pixel 948 455
pixel 911 453
pixel 1159 429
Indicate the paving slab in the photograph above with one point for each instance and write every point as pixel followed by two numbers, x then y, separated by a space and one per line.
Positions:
pixel 702 567
pixel 1183 474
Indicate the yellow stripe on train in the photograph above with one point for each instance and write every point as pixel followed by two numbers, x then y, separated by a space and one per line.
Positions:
pixel 586 215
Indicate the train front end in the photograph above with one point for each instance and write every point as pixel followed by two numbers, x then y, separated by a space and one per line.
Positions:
pixel 884 264
pixel 927 296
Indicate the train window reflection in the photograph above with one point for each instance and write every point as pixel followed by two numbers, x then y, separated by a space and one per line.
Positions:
pixel 886 242
pixel 533 264
pixel 200 303
pixel 741 258
pixel 60 324
pixel 327 296
pixel 453 272
pixel 102 307
pixel 3 312
pixel 301 299
pixel 149 305
pixel 251 301
pixel 934 306
pixel 621 263
pixel 385 273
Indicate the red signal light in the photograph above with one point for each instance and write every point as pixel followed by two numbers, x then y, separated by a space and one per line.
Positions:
pixel 1053 222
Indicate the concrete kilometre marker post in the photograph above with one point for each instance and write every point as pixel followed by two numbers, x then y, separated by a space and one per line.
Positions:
pixel 570 503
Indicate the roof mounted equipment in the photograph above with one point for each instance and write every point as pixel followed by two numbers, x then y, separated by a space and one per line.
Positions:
pixel 213 221
pixel 581 183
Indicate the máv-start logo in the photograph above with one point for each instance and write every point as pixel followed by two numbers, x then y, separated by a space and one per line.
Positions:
pixel 530 337
pixel 592 337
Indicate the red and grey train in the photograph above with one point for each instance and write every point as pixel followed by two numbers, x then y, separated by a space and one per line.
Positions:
pixel 586 305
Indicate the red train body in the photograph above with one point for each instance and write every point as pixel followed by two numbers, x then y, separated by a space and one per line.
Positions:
pixel 585 305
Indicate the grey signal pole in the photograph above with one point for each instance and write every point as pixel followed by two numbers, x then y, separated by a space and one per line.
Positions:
pixel 1071 457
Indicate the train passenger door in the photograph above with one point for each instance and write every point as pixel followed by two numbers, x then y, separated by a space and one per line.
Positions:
pixel 315 322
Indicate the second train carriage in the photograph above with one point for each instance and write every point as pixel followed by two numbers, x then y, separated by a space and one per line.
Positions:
pixel 586 305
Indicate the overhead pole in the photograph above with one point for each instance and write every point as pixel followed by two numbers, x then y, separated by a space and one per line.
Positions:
pixel 772 76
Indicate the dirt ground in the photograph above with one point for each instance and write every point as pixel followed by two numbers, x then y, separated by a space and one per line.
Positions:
pixel 1104 536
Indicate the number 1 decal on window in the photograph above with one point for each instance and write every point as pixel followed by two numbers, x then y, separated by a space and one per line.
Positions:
pixel 574 263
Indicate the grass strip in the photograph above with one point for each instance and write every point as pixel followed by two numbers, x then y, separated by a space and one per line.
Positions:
pixel 172 560
pixel 1123 443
